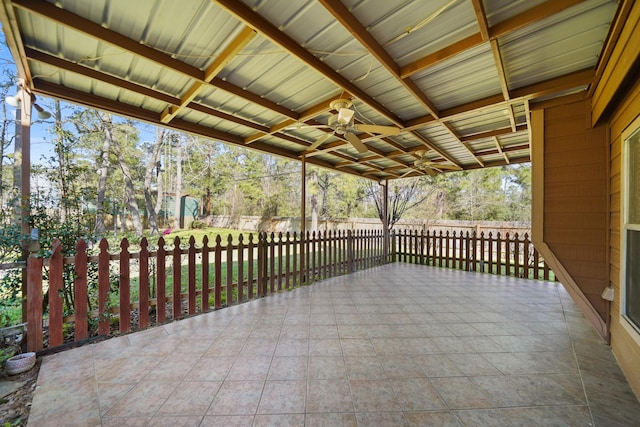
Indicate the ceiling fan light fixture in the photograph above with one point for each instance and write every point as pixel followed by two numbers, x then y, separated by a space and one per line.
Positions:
pixel 345 116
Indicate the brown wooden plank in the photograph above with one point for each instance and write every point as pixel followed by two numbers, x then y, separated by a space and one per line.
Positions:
pixel 499 243
pixel 125 287
pixel 250 259
pixel 229 281
pixel 34 303
pixel 272 262
pixel 490 242
pixel 80 297
pixel 295 260
pixel 217 265
pixel 516 255
pixel 287 255
pixel 280 261
pixel 143 293
pixel 241 282
pixel 205 273
pixel 161 258
pixel 191 274
pixel 56 288
pixel 177 279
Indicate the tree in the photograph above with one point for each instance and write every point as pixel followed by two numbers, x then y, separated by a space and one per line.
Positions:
pixel 153 164
pixel 403 195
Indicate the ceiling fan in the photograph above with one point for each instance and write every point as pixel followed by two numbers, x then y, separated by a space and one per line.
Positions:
pixel 343 123
pixel 429 167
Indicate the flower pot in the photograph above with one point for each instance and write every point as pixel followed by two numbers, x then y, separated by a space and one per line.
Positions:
pixel 20 363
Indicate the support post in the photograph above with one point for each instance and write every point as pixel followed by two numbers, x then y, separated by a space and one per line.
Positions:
pixel 303 218
pixel 385 219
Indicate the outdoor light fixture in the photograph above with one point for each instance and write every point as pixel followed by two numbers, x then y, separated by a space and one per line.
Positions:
pixel 42 114
pixel 16 102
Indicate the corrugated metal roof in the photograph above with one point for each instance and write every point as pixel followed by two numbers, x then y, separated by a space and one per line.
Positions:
pixel 427 68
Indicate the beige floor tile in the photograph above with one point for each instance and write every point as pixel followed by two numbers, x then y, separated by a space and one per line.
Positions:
pixel 373 395
pixel 237 398
pixel 329 396
pixel 190 398
pixel 283 397
pixel 330 367
pixel 144 399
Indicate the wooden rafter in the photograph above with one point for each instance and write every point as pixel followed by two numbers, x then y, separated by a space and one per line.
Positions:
pixel 236 45
pixel 504 154
pixel 268 30
pixel 310 113
pixel 532 15
pixel 449 127
pixel 558 84
pixel 346 18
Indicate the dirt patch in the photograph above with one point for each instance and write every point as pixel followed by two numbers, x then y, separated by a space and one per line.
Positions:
pixel 15 406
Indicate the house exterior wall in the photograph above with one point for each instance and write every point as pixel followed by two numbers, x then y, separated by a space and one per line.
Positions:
pixel 625 342
pixel 575 197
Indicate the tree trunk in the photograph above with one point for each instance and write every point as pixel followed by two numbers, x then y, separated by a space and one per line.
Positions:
pixel 178 196
pixel 103 174
pixel 130 195
pixel 154 162
pixel 62 164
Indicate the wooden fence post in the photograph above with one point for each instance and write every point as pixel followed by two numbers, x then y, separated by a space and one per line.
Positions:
pixel 104 312
pixel 250 258
pixel 143 281
pixel 526 256
pixel 125 287
pixel 177 279
pixel 161 287
pixel 80 294
pixel 191 274
pixel 34 303
pixel 205 274
pixel 240 261
pixel 56 289
pixel 229 286
pixel 217 266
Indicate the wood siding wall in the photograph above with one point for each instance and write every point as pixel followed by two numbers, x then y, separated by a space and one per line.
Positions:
pixel 624 341
pixel 575 197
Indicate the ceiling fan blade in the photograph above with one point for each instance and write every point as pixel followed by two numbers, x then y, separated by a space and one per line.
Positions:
pixel 430 172
pixel 386 130
pixel 304 126
pixel 345 115
pixel 357 144
pixel 318 142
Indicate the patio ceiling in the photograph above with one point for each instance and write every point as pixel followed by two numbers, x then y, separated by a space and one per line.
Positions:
pixel 456 76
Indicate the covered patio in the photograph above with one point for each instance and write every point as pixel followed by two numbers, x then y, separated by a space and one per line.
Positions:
pixel 397 344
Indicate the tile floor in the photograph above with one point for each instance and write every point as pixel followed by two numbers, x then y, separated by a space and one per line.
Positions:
pixel 398 345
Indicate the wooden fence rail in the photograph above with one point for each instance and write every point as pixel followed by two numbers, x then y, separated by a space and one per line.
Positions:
pixel 106 290
pixel 499 254
pixel 111 291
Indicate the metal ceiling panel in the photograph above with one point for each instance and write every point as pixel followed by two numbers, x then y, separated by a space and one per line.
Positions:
pixel 556 46
pixel 461 79
pixel 147 59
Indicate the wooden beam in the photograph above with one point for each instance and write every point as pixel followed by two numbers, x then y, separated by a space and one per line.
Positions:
pixel 75 96
pixel 499 147
pixel 268 30
pixel 449 127
pixel 558 84
pixel 532 15
pixel 481 18
pixel 65 18
pixel 236 45
pixel 316 110
pixel 492 133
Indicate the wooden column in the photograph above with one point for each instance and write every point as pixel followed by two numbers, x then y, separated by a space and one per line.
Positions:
pixel 385 218
pixel 303 217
